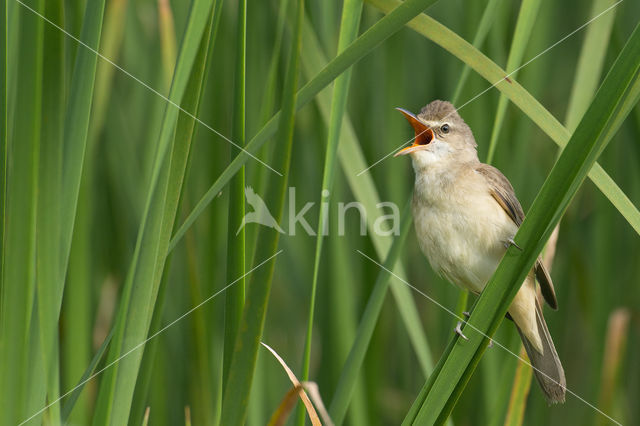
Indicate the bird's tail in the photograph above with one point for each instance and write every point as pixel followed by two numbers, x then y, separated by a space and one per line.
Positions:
pixel 547 366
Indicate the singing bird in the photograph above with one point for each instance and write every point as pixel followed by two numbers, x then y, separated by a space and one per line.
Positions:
pixel 466 215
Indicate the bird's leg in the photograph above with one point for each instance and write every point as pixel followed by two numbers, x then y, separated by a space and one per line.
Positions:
pixel 511 242
pixel 459 332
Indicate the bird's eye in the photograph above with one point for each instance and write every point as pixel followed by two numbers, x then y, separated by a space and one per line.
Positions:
pixel 445 128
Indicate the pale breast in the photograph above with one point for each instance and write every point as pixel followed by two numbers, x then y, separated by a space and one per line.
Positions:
pixel 461 229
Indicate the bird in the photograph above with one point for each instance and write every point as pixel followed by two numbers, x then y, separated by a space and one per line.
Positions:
pixel 260 213
pixel 466 215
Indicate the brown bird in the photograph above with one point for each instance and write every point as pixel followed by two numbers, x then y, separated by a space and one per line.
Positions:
pixel 466 215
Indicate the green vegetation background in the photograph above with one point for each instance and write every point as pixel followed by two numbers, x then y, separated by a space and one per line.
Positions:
pixel 596 267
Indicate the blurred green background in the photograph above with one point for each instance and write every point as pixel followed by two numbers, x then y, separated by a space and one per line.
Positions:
pixel 596 267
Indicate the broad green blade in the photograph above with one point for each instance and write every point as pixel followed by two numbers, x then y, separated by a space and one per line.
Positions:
pixel 181 158
pixel 138 301
pixel 19 245
pixel 234 297
pixel 169 53
pixel 65 164
pixel 49 282
pixel 351 11
pixel 76 317
pixel 76 124
pixel 4 109
pixel 243 363
pixel 62 165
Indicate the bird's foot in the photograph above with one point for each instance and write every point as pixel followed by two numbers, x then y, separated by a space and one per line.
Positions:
pixel 490 343
pixel 459 332
pixel 511 242
pixel 466 314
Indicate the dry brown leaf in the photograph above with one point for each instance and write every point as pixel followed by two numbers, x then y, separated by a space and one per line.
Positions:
pixel 297 388
pixel 314 394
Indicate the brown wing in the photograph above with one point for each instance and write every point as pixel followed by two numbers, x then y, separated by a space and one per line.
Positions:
pixel 504 194
pixel 546 285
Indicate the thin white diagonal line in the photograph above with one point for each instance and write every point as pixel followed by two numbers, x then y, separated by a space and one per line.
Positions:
pixel 139 345
pixel 145 85
pixel 391 153
pixel 484 335
pixel 503 78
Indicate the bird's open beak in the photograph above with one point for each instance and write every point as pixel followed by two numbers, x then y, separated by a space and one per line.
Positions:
pixel 424 134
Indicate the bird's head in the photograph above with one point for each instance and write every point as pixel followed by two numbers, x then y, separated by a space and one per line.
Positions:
pixel 441 136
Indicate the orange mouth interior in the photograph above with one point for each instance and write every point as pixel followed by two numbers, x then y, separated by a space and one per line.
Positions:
pixel 424 135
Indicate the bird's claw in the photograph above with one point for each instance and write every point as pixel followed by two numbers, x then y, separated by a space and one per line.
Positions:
pixel 459 332
pixel 466 314
pixel 511 242
pixel 490 343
